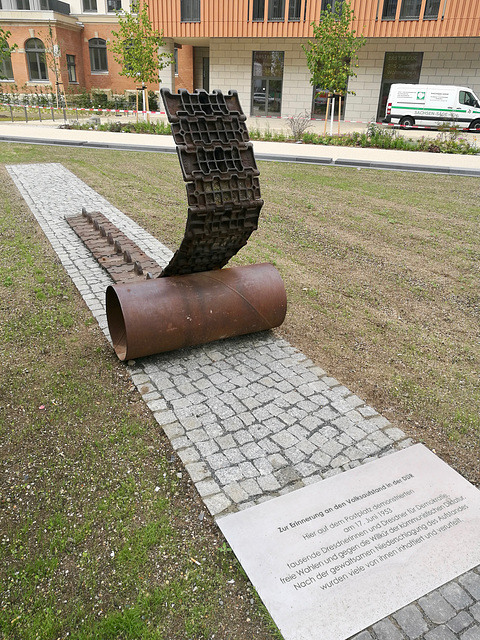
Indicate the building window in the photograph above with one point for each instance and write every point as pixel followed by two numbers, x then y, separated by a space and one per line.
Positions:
pixel 319 104
pixel 23 5
pixel 6 70
pixel 267 81
pixel 276 10
pixel 294 9
pixel 398 67
pixel 410 9
pixel 89 6
pixel 37 64
pixel 258 13
pixel 389 9
pixel 431 10
pixel 190 10
pixel 114 5
pixel 175 60
pixel 71 68
pixel 98 55
pixel 335 5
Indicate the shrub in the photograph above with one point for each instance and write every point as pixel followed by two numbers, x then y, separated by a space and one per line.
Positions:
pixel 299 124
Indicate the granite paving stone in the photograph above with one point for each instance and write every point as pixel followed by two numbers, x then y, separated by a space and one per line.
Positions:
pixel 411 621
pixel 460 622
pixel 456 595
pixel 441 632
pixel 471 634
pixel 471 582
pixel 386 630
pixel 236 410
pixel 475 611
pixel 437 608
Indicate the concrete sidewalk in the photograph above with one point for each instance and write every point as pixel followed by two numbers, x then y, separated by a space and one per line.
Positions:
pixel 452 164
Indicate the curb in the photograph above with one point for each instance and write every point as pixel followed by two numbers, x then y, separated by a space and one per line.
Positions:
pixel 340 162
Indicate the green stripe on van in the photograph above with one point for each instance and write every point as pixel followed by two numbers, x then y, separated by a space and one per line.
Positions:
pixel 415 108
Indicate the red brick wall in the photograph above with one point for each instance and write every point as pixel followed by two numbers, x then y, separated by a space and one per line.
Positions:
pixel 73 42
pixel 184 80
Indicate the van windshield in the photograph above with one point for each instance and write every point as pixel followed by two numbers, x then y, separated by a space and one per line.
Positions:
pixel 468 99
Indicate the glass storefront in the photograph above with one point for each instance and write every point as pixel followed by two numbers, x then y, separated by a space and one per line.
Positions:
pixel 398 67
pixel 267 81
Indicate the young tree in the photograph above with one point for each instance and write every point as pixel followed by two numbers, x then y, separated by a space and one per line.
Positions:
pixel 53 56
pixel 5 49
pixel 332 55
pixel 135 46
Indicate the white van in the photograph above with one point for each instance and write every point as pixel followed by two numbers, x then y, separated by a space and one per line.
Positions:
pixel 430 105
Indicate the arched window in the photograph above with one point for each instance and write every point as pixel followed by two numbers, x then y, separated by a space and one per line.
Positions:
pixel 37 63
pixel 98 55
pixel 6 70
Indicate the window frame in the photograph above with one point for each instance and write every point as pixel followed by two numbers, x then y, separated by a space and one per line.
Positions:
pixel 294 10
pixel 335 5
pixel 118 4
pixel 430 15
pixel 71 69
pixel 389 4
pixel 6 68
pixel 190 11
pixel 36 60
pixel 87 6
pixel 276 11
pixel 98 55
pixel 275 62
pixel 412 15
pixel 258 10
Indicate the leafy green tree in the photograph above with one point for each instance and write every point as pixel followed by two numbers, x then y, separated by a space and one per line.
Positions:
pixel 332 55
pixel 135 46
pixel 5 49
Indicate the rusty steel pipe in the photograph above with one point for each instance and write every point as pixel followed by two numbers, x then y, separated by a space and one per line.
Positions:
pixel 164 314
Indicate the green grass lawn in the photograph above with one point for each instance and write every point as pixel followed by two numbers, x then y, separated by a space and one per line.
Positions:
pixel 102 534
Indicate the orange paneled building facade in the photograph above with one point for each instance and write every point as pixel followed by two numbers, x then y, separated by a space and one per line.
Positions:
pixel 255 47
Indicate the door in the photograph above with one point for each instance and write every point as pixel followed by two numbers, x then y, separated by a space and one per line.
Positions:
pixel 267 81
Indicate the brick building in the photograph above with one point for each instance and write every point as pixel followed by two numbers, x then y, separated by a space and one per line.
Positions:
pixel 254 46
pixel 80 30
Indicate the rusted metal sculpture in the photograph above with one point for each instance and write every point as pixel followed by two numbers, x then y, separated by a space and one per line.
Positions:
pixel 121 258
pixel 164 314
pixel 195 300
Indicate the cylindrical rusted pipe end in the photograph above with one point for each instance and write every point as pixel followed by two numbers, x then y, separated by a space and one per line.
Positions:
pixel 165 314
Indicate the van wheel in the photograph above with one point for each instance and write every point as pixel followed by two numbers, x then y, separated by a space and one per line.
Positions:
pixel 407 122
pixel 475 125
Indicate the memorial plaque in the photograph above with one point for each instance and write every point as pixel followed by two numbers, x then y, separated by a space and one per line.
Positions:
pixel 333 558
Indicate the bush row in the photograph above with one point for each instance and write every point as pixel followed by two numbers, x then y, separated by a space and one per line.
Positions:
pixel 448 140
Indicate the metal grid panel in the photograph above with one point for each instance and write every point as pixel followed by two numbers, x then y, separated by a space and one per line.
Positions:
pixel 218 164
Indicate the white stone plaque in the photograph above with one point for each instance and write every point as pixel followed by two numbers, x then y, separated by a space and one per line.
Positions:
pixel 335 557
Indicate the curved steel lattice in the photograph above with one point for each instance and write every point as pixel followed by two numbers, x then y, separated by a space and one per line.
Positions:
pixel 218 164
